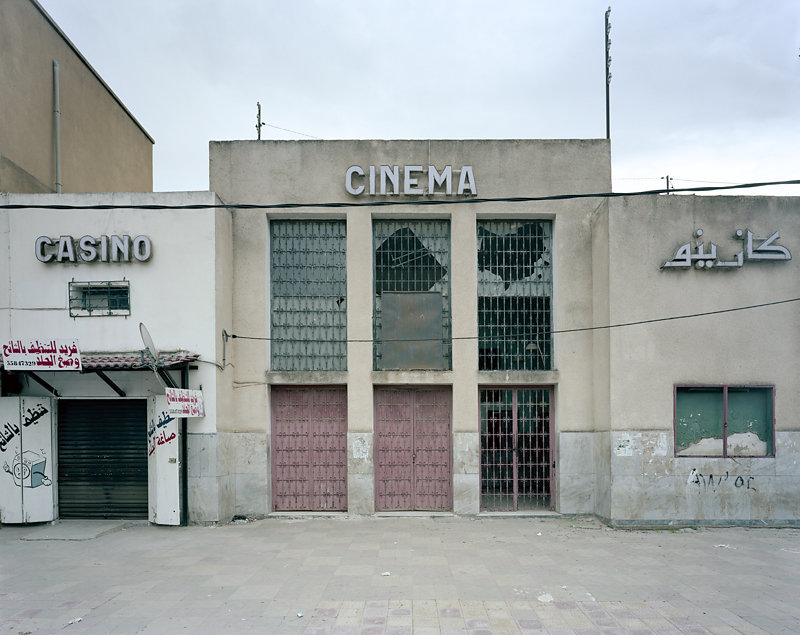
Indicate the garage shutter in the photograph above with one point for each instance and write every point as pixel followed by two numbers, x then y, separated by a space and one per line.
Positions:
pixel 102 458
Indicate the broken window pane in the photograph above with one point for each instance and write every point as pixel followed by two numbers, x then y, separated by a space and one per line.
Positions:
pixel 411 257
pixel 515 285
pixel 308 295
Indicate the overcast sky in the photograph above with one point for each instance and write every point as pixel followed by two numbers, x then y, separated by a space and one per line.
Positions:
pixel 706 91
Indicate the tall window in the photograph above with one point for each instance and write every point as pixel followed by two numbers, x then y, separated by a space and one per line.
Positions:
pixel 724 421
pixel 308 295
pixel 411 324
pixel 515 286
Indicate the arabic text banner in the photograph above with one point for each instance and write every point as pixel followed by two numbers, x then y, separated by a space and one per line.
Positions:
pixel 185 403
pixel 27 354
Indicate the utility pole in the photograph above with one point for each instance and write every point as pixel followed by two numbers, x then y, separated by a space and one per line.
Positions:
pixel 608 74
pixel 668 182
pixel 259 125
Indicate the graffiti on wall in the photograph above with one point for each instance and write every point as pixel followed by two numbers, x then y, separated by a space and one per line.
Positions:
pixel 705 482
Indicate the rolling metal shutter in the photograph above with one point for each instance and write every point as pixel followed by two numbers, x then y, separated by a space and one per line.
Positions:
pixel 102 458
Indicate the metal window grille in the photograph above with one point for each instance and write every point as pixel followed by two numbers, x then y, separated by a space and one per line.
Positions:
pixel 516 455
pixel 412 257
pixel 308 295
pixel 515 286
pixel 92 299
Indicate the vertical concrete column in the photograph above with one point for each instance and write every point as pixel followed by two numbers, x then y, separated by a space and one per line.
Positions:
pixel 360 464
pixel 464 299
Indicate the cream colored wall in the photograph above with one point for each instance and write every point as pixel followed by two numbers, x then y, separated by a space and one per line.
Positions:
pixel 103 149
pixel 746 347
pixel 276 172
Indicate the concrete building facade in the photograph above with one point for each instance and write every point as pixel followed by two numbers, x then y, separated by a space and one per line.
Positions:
pixel 394 326
pixel 63 127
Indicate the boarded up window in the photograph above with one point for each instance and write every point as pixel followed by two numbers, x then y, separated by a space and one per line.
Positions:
pixel 724 421
pixel 308 292
pixel 515 284
pixel 412 270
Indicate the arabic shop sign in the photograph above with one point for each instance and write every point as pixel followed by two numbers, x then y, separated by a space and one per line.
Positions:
pixel 91 249
pixel 11 430
pixel 185 403
pixel 36 355
pixel 701 258
pixel 409 180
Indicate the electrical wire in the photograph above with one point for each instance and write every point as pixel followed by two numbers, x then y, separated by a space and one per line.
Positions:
pixel 555 332
pixel 400 203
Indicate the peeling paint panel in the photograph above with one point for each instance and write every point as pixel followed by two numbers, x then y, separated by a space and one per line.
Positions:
pixel 724 421
pixel 699 422
pixel 750 422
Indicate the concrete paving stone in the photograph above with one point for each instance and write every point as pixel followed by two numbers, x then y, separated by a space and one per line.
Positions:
pixel 168 576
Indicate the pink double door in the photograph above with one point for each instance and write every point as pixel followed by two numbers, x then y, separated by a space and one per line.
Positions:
pixel 413 449
pixel 309 449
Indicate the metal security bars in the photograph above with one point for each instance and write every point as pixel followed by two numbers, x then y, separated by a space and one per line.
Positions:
pixel 516 457
pixel 515 286
pixel 92 299
pixel 308 278
pixel 411 320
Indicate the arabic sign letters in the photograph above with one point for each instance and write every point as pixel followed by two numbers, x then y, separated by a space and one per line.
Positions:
pixel 764 249
pixel 37 355
pixel 185 403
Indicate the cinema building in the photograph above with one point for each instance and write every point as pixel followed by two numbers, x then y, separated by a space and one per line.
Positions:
pixel 464 327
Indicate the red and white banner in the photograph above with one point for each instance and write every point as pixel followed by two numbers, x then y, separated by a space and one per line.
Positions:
pixel 25 354
pixel 185 403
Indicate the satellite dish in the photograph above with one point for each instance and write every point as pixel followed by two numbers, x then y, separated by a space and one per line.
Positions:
pixel 148 342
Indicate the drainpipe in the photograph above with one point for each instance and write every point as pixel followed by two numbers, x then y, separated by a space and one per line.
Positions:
pixel 57 124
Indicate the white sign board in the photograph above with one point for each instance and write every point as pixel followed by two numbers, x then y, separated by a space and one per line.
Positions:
pixel 182 402
pixel 25 354
pixel 163 464
pixel 27 489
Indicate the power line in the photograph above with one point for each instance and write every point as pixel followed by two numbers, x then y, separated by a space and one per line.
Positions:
pixel 555 332
pixel 400 203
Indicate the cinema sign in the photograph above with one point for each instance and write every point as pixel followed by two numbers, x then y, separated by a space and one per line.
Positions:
pixel 408 179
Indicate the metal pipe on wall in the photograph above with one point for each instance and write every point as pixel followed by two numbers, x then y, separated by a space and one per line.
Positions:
pixel 57 124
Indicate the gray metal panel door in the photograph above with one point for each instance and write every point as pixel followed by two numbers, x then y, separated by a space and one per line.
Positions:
pixel 309 449
pixel 102 458
pixel 413 449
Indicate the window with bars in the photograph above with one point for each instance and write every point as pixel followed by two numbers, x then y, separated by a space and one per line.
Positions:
pixel 515 286
pixel 101 298
pixel 411 274
pixel 308 281
pixel 724 421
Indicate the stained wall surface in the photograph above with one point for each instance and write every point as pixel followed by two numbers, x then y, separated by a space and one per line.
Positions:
pixel 103 147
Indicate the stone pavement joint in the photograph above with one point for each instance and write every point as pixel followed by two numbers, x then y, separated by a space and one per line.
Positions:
pixel 446 574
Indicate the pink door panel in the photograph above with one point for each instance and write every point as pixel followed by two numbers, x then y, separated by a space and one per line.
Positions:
pixel 413 449
pixel 309 449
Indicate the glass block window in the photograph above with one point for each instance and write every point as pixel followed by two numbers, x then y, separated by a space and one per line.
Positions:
pixel 411 282
pixel 93 299
pixel 724 421
pixel 308 275
pixel 515 287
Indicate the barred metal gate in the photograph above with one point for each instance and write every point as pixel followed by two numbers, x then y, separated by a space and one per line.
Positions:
pixel 516 449
pixel 413 449
pixel 309 449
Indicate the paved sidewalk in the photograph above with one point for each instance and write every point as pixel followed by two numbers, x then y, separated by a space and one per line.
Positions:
pixel 397 575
